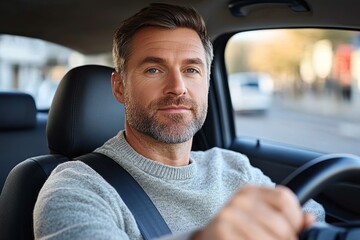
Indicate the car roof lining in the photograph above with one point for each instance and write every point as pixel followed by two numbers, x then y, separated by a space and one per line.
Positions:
pixel 88 26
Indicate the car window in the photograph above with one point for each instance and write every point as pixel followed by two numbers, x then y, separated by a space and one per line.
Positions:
pixel 297 86
pixel 36 67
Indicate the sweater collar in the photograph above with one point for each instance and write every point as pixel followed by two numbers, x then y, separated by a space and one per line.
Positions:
pixel 127 157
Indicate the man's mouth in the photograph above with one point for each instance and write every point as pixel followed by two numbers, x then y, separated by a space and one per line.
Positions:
pixel 175 108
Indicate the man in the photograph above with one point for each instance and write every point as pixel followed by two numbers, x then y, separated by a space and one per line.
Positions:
pixel 162 57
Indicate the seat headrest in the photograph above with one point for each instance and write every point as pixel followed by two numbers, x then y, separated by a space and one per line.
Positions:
pixel 84 113
pixel 17 111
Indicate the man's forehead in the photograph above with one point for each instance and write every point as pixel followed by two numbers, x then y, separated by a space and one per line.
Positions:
pixel 160 43
pixel 156 37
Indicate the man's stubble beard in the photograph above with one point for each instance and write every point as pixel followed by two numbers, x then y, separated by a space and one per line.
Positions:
pixel 176 129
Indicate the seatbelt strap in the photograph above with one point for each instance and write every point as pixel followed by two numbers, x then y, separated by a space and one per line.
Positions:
pixel 147 216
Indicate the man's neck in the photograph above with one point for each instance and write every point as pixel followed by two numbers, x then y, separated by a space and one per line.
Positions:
pixel 168 154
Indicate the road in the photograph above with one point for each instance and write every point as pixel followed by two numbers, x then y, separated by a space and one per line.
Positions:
pixel 308 130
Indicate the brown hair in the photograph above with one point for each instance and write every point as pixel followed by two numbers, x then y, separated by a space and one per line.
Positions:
pixel 158 15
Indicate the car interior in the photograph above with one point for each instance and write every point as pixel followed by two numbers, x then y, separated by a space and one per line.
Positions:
pixel 20 125
pixel 84 113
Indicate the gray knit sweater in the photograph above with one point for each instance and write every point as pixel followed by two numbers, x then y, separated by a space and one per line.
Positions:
pixel 77 203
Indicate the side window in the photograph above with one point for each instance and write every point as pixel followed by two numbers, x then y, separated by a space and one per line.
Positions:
pixel 297 86
pixel 36 67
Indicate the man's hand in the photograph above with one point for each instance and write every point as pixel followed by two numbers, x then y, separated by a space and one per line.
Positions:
pixel 258 213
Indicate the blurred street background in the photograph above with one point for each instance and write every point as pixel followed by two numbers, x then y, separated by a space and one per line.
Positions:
pixel 316 95
pixel 324 124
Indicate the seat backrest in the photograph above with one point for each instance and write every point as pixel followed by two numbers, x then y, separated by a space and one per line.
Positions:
pixel 83 115
pixel 22 131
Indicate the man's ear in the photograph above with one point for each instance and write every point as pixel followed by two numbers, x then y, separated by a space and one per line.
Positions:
pixel 117 87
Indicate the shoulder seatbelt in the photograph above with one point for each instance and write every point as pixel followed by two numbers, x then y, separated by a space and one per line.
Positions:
pixel 148 218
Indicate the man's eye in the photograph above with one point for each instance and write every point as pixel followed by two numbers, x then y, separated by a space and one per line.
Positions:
pixel 191 70
pixel 152 70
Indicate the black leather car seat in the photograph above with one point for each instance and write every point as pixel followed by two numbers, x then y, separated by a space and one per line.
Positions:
pixel 22 131
pixel 83 115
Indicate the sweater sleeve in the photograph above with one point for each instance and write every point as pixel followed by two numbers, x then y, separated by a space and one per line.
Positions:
pixel 77 203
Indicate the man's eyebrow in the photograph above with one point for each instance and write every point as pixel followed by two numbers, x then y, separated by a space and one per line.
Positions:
pixel 196 61
pixel 159 60
pixel 152 60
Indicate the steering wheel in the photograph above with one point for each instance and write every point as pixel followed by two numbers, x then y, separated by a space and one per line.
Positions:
pixel 313 177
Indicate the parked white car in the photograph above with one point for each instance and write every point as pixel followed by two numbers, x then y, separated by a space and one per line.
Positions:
pixel 251 91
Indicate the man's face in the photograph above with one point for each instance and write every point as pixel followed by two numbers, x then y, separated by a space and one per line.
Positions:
pixel 166 85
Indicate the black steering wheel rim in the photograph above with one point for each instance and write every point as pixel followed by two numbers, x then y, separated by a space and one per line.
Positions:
pixel 313 177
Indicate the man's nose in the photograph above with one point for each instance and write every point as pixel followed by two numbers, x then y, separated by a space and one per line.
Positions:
pixel 175 84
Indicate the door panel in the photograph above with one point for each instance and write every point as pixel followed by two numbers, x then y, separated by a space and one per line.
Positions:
pixel 341 200
pixel 275 160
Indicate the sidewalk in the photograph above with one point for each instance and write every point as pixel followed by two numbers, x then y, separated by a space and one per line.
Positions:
pixel 324 105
